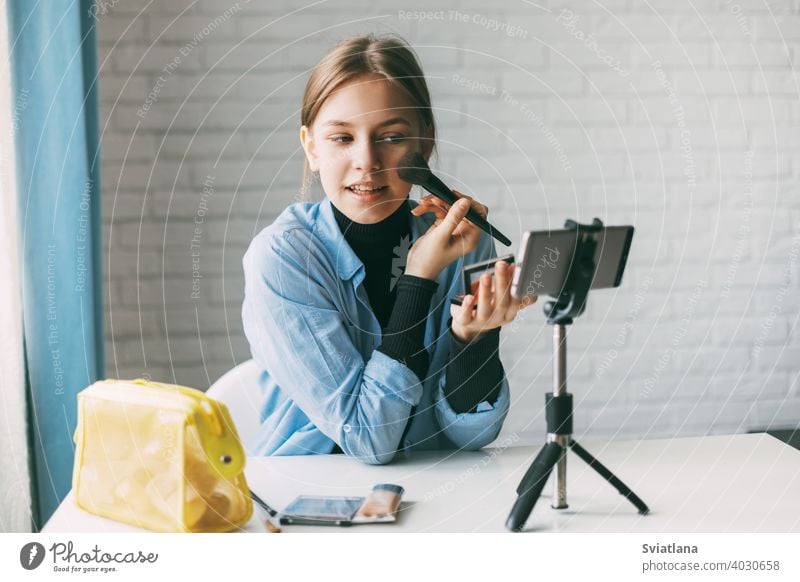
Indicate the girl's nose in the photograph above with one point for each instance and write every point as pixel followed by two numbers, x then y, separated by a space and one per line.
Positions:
pixel 365 156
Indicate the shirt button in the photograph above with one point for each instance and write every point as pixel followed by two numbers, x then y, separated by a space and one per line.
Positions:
pixel 346 428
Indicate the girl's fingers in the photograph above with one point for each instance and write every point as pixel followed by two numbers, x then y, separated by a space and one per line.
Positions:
pixel 432 202
pixel 440 214
pixel 463 232
pixel 514 308
pixel 518 304
pixel 425 208
pixel 467 228
pixel 454 218
pixel 502 286
pixel 466 314
pixel 476 284
pixel 431 199
pixel 529 300
pixel 481 209
pixel 485 298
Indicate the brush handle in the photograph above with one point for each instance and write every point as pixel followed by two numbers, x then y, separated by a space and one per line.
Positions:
pixel 438 188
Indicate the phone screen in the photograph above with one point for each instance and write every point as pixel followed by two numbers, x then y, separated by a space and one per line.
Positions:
pixel 320 507
pixel 547 256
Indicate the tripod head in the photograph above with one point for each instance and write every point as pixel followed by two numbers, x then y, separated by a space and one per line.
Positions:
pixel 571 302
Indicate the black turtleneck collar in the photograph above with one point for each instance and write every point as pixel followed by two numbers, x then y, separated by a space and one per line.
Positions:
pixel 378 236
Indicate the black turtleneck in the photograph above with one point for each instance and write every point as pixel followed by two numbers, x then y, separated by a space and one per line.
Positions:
pixel 401 304
pixel 382 247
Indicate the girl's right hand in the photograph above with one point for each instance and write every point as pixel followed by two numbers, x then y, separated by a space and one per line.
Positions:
pixel 449 237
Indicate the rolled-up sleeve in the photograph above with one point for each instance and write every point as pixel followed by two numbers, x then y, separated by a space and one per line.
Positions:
pixel 472 430
pixel 298 335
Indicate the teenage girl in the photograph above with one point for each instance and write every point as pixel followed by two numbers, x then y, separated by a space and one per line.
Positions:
pixel 346 303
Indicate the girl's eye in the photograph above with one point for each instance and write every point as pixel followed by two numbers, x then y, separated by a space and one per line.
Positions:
pixel 386 139
pixel 392 138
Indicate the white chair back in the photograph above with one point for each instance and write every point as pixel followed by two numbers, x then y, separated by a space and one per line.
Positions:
pixel 238 389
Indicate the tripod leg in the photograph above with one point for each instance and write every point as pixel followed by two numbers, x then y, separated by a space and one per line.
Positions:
pixel 610 477
pixel 530 488
pixel 533 471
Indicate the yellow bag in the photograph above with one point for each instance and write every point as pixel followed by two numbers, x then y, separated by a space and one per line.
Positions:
pixel 159 456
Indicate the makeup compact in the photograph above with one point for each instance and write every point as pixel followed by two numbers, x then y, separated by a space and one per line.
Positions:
pixel 471 275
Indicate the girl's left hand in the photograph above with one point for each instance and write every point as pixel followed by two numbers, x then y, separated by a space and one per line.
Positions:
pixel 496 305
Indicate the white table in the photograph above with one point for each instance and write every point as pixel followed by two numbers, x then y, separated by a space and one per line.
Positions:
pixel 737 483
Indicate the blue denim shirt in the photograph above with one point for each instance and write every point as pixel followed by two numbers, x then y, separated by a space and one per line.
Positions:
pixel 307 317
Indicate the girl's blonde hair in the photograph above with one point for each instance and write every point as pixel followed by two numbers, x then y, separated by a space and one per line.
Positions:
pixel 389 56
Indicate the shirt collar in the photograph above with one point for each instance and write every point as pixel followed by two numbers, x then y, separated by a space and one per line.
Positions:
pixel 345 260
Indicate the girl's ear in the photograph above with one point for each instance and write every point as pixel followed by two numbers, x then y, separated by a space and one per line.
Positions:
pixel 308 147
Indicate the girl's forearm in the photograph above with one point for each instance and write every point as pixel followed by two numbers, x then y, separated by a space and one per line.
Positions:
pixel 404 334
pixel 474 373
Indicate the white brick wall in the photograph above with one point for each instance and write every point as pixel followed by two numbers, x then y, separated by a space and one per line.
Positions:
pixel 702 335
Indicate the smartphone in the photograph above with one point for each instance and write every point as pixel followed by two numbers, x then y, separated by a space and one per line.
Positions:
pixel 321 510
pixel 547 256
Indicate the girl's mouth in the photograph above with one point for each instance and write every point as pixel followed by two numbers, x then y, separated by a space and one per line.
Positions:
pixel 362 192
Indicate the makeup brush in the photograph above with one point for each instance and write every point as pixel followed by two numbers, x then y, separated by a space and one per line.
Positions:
pixel 414 169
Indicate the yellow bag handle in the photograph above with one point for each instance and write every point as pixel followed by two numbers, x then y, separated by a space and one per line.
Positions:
pixel 205 402
pixel 226 454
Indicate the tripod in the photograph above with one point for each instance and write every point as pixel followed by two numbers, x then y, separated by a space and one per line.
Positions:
pixel 558 404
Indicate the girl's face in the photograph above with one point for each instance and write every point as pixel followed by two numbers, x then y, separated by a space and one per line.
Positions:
pixel 360 134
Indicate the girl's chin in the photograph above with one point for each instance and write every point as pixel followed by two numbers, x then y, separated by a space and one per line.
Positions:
pixel 369 209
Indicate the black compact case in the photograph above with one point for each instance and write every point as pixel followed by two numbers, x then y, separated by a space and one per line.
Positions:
pixel 471 273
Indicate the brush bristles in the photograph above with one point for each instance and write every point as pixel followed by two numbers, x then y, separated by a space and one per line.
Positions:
pixel 413 168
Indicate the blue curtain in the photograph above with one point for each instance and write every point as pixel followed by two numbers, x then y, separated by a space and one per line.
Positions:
pixel 54 78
